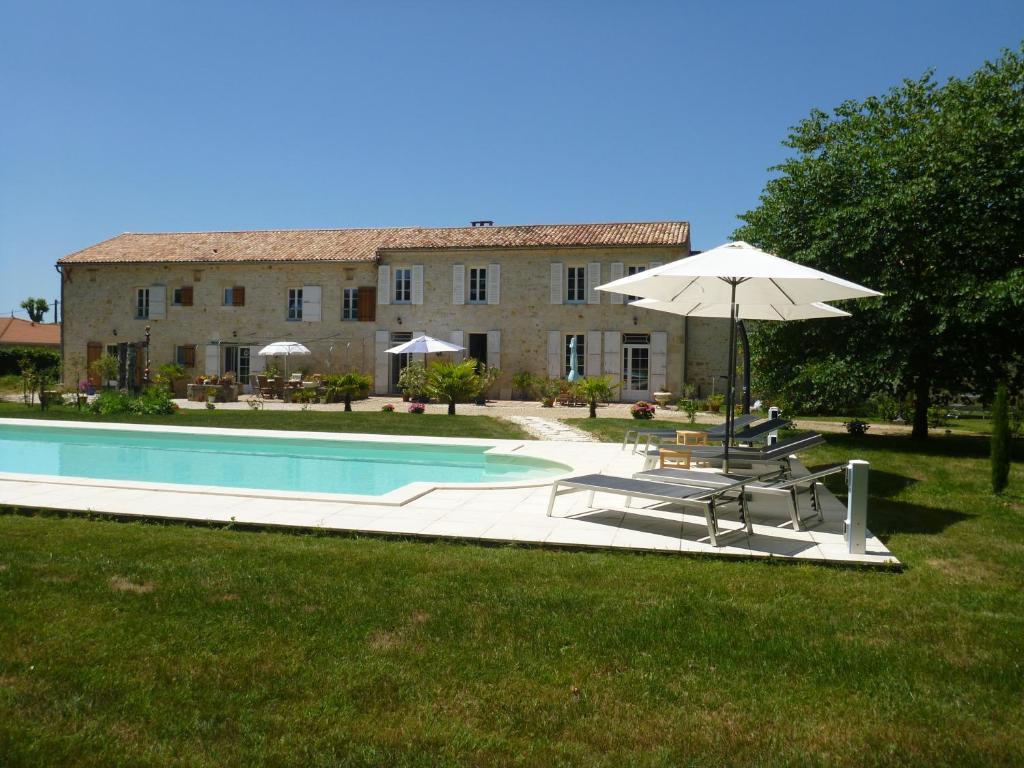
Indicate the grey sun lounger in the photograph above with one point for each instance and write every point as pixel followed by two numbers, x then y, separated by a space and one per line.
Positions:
pixel 772 455
pixel 716 432
pixel 755 486
pixel 705 500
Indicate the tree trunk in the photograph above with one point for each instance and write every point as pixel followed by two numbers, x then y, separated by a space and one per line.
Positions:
pixel 348 402
pixel 451 407
pixel 593 409
pixel 922 401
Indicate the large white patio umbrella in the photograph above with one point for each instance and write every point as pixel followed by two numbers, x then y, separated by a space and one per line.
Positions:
pixel 736 274
pixel 815 311
pixel 286 348
pixel 424 345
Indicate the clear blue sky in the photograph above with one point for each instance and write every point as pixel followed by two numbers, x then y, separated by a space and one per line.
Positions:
pixel 163 116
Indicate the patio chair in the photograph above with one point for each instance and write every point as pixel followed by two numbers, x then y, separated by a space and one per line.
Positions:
pixel 706 500
pixel 263 386
pixel 716 432
pixel 777 455
pixel 765 485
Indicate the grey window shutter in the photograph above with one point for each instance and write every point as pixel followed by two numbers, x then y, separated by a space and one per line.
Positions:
pixel 613 354
pixel 659 360
pixel 458 284
pixel 593 280
pixel 417 284
pixel 556 282
pixel 617 272
pixel 493 283
pixel 554 354
pixel 384 285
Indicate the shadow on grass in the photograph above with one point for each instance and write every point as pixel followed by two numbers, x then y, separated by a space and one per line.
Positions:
pixel 887 517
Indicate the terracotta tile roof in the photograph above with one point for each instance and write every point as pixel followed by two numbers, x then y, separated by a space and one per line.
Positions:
pixel 15 332
pixel 365 244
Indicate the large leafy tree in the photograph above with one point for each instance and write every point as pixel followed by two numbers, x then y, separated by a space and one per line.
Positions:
pixel 918 193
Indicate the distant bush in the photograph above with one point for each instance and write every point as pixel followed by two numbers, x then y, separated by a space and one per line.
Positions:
pixel 856 426
pixel 12 359
pixel 154 401
pixel 1001 445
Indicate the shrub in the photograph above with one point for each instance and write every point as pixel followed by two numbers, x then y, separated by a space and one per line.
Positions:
pixel 105 367
pixel 595 389
pixel 524 383
pixel 388 407
pixel 937 416
pixel 715 402
pixel 413 380
pixel 111 402
pixel 548 389
pixel 690 408
pixel 40 358
pixel 1001 445
pixel 856 426
pixel 154 401
pixel 642 410
pixel 417 408
pixel 347 386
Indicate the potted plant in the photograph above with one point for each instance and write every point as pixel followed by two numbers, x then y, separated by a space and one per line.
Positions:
pixel 642 410
pixel 488 375
pixel 412 381
pixel 417 408
pixel 549 389
pixel 715 402
pixel 211 394
pixel 523 383
pixel 662 398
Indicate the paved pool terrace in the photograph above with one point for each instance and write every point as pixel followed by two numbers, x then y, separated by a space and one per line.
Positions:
pixel 513 513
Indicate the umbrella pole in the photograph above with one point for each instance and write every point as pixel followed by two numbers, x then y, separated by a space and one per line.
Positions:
pixel 730 389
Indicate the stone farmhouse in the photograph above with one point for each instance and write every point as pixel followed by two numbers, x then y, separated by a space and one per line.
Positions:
pixel 514 296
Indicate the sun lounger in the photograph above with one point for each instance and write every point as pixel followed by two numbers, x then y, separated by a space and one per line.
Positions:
pixel 716 432
pixel 705 500
pixel 755 486
pixel 754 432
pixel 739 456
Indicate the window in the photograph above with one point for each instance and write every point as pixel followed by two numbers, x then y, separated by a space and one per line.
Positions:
pixel 185 355
pixel 350 304
pixel 576 285
pixel 403 286
pixel 294 303
pixel 182 297
pixel 478 285
pixel 234 297
pixel 142 303
pixel 581 354
pixel 633 269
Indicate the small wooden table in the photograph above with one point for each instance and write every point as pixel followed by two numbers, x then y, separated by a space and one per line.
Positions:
pixel 691 437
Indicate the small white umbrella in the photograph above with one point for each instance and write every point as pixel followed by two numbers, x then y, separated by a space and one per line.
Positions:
pixel 286 348
pixel 736 274
pixel 424 345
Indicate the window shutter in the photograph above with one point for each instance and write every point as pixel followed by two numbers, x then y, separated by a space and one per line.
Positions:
pixel 458 337
pixel 189 353
pixel 659 360
pixel 93 352
pixel 617 271
pixel 593 353
pixel 384 288
pixel 157 302
pixel 380 360
pixel 311 303
pixel 493 283
pixel 458 284
pixel 367 309
pixel 238 296
pixel 186 296
pixel 554 354
pixel 417 284
pixel 593 280
pixel 612 354
pixel 494 349
pixel 257 362
pixel 556 282
pixel 212 359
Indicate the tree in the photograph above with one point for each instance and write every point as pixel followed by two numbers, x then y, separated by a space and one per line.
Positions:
pixel 595 389
pixel 918 193
pixel 1001 442
pixel 36 308
pixel 350 385
pixel 453 382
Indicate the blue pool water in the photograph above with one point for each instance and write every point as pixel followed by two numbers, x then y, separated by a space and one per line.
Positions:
pixel 246 461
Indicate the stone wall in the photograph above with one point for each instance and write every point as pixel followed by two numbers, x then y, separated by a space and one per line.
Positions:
pixel 100 307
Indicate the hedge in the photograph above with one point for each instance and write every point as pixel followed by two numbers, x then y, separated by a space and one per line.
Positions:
pixel 40 357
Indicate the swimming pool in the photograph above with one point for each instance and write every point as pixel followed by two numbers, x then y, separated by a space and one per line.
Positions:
pixel 335 464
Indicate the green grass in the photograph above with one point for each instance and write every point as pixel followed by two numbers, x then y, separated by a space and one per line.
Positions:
pixel 612 430
pixel 398 423
pixel 146 644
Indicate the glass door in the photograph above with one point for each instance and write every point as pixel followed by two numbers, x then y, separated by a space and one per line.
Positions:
pixel 636 371
pixel 397 363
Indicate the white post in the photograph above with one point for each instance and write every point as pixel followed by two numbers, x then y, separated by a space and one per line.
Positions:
pixel 773 413
pixel 857 506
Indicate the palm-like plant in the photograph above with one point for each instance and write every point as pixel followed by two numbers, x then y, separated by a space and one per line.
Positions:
pixel 595 389
pixel 453 382
pixel 350 385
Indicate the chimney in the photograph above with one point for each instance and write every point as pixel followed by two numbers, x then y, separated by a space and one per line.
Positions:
pixel 482 223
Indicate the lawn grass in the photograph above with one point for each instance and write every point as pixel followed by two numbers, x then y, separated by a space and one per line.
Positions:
pixel 151 644
pixel 439 425
pixel 609 430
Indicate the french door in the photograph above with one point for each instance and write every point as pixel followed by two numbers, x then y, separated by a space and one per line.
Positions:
pixel 636 367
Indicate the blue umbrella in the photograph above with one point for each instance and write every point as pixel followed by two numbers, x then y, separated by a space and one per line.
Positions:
pixel 573 373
